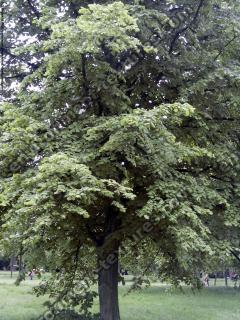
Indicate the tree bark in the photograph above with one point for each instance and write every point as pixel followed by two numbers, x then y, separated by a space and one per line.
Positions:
pixel 226 278
pixel 108 286
pixel 12 262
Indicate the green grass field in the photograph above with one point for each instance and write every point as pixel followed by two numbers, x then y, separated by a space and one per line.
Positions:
pixel 155 303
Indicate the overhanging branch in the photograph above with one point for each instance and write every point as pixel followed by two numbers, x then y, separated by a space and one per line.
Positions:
pixel 226 45
pixel 235 255
pixel 179 32
pixel 33 9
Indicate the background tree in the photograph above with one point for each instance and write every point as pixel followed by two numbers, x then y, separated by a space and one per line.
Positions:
pixel 114 135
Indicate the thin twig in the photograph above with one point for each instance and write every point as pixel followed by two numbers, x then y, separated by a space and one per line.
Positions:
pixel 223 50
pixel 177 35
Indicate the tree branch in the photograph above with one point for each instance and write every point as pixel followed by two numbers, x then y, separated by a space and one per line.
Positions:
pixel 226 45
pixel 14 56
pixel 235 255
pixel 74 10
pixel 33 9
pixel 17 76
pixel 178 34
pixel 84 74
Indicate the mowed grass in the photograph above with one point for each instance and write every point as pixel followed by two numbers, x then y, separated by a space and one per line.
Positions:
pixel 158 302
pixel 18 303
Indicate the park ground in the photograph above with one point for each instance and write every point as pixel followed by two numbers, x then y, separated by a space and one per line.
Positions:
pixel 159 302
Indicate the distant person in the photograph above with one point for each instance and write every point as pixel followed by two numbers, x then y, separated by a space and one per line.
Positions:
pixel 234 277
pixel 206 280
pixel 30 274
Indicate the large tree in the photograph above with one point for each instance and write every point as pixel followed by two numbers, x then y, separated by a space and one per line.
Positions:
pixel 125 134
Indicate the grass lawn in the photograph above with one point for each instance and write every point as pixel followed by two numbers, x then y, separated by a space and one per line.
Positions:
pixel 155 303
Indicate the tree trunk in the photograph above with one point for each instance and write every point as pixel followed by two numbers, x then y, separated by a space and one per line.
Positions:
pixel 108 286
pixel 12 261
pixel 226 278
pixel 20 264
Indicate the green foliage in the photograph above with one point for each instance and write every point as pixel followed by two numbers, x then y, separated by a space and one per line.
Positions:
pixel 112 130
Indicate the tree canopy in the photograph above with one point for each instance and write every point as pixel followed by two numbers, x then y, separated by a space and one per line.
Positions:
pixel 126 119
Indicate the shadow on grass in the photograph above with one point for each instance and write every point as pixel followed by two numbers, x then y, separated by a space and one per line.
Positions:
pixel 72 315
pixel 185 291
